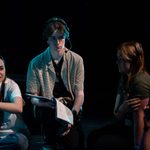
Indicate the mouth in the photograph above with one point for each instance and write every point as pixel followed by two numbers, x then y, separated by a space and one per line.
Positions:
pixel 59 47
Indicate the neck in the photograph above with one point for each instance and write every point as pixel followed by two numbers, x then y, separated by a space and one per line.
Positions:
pixel 56 57
pixel 56 61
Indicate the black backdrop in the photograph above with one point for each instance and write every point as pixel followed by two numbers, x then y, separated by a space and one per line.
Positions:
pixel 95 29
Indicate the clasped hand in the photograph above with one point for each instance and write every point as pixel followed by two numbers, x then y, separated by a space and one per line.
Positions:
pixel 128 106
pixel 135 104
pixel 66 130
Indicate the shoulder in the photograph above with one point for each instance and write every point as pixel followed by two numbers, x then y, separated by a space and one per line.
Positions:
pixel 140 85
pixel 142 77
pixel 11 86
pixel 36 59
pixel 141 82
pixel 73 55
pixel 40 59
pixel 10 81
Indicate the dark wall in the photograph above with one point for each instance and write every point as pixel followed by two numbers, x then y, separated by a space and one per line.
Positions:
pixel 95 29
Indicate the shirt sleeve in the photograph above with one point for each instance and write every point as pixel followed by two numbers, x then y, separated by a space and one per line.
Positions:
pixel 12 90
pixel 140 87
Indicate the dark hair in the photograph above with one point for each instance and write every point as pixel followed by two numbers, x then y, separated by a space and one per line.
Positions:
pixel 55 23
pixel 3 82
pixel 1 57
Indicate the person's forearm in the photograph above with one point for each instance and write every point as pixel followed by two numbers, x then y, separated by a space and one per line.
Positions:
pixel 79 100
pixel 11 107
pixel 138 126
pixel 119 113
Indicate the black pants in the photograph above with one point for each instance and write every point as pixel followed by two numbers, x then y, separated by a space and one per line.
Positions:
pixel 52 130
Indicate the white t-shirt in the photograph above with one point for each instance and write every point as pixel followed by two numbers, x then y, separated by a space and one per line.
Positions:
pixel 10 121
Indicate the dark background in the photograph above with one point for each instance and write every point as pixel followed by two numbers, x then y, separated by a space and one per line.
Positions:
pixel 96 27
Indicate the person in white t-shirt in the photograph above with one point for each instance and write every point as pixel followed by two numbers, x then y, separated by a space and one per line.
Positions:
pixel 14 133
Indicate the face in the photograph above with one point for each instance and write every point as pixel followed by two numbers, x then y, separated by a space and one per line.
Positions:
pixel 57 42
pixel 124 65
pixel 2 70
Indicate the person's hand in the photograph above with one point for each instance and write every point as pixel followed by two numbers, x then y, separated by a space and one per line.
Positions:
pixel 64 129
pixel 67 130
pixel 129 106
pixel 133 104
pixel 137 103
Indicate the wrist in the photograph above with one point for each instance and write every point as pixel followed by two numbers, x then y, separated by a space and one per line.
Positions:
pixel 74 112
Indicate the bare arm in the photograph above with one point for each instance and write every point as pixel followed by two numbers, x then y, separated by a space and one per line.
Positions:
pixel 79 100
pixel 16 107
pixel 138 119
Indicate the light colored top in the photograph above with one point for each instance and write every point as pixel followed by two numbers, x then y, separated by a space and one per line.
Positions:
pixel 41 75
pixel 11 121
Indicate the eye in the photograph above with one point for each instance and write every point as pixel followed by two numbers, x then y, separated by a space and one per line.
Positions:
pixel 60 37
pixel 1 68
pixel 53 38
